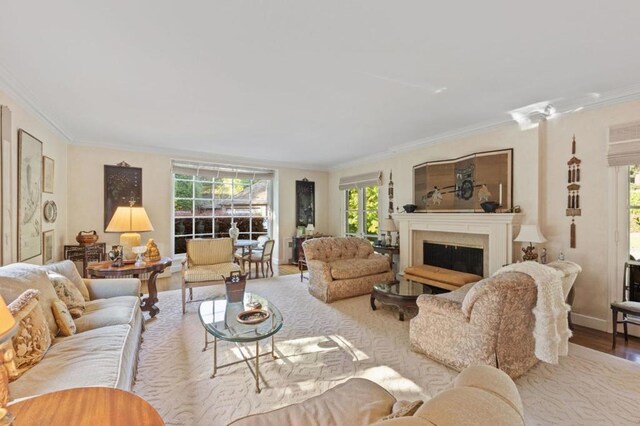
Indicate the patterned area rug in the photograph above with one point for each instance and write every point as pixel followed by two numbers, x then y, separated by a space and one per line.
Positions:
pixel 322 345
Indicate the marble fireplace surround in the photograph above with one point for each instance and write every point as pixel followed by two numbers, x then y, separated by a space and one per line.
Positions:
pixel 493 231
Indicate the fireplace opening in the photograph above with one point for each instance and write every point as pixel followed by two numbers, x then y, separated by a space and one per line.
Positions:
pixel 456 257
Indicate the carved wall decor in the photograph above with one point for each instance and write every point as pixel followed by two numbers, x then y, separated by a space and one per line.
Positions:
pixel 122 184
pixel 573 190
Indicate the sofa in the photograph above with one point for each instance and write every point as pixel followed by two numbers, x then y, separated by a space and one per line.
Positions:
pixel 479 396
pixel 490 322
pixel 104 350
pixel 344 267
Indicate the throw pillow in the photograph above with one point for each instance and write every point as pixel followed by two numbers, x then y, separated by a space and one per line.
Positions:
pixel 68 294
pixel 403 409
pixel 69 270
pixel 32 339
pixel 63 318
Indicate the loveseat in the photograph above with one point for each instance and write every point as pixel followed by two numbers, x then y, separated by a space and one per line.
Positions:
pixel 479 396
pixel 104 350
pixel 343 267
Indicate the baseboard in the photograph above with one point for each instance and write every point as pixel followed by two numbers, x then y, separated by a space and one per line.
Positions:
pixel 590 322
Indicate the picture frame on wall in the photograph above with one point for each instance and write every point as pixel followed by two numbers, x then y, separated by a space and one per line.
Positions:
pixel 48 166
pixel 29 196
pixel 122 186
pixel 48 247
pixel 305 203
pixel 6 227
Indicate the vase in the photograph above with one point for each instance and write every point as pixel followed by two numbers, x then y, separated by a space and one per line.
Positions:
pixel 234 232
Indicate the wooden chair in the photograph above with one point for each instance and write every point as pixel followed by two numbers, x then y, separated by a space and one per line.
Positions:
pixel 208 262
pixel 626 307
pixel 260 257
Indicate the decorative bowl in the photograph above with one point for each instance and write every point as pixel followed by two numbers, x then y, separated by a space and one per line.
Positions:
pixel 409 208
pixel 253 316
pixel 87 237
pixel 489 206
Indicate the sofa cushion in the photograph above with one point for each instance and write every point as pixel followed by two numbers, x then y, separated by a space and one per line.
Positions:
pixel 443 275
pixel 106 312
pixel 210 272
pixel 101 357
pixel 63 319
pixel 356 268
pixel 354 402
pixel 17 278
pixel 68 293
pixel 32 339
pixel 69 270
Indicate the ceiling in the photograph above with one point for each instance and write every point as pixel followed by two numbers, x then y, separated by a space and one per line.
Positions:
pixel 308 83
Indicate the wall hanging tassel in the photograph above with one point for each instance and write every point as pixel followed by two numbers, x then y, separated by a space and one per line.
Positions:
pixel 573 234
pixel 573 191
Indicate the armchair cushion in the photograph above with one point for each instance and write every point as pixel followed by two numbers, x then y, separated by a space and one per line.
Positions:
pixel 355 268
pixel 217 272
pixel 106 288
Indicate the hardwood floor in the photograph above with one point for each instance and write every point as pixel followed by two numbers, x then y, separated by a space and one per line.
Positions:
pixel 594 339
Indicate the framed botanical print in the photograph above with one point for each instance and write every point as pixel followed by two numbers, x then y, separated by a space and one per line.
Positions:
pixel 47 174
pixel 29 196
pixel 48 243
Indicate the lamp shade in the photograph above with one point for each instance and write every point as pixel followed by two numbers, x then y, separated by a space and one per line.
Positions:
pixel 8 324
pixel 530 234
pixel 388 225
pixel 130 219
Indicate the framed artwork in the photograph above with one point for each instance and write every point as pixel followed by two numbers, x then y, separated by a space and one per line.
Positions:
pixel 29 196
pixel 5 185
pixel 305 203
pixel 122 185
pixel 47 247
pixel 463 184
pixel 47 174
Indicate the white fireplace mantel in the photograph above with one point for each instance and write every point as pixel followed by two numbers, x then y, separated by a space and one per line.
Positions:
pixel 497 226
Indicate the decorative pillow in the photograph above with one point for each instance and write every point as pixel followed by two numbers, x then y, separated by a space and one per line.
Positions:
pixel 69 270
pixel 68 294
pixel 403 409
pixel 33 339
pixel 63 318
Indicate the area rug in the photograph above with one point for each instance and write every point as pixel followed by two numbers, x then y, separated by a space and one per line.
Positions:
pixel 321 345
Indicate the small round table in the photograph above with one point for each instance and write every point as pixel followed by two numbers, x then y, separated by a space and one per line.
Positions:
pixel 107 270
pixel 85 406
pixel 402 293
pixel 243 244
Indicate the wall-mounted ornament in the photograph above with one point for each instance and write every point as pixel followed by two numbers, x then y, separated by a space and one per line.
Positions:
pixel 573 191
pixel 122 185
pixel 390 193
pixel 50 211
pixel 305 201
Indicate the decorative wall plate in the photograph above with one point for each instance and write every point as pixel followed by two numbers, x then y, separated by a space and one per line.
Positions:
pixel 50 211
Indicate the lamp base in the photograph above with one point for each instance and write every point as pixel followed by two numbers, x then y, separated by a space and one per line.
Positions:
pixel 128 240
pixel 529 253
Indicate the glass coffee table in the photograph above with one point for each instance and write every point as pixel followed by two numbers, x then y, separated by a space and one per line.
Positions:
pixel 401 293
pixel 219 319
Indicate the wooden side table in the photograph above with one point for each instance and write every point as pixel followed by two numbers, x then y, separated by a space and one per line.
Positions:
pixel 86 253
pixel 107 270
pixel 85 406
pixel 388 251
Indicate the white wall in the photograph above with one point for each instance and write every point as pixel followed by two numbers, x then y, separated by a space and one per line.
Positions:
pixel 54 146
pixel 86 182
pixel 540 168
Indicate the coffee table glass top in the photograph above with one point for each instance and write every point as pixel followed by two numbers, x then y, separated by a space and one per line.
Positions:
pixel 220 319
pixel 403 287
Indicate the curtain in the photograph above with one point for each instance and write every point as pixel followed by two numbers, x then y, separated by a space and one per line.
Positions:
pixel 361 181
pixel 624 145
pixel 194 168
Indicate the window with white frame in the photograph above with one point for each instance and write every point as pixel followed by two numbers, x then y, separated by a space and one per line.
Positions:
pixel 206 202
pixel 361 212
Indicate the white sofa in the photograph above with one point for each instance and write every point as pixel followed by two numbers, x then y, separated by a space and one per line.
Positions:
pixel 103 352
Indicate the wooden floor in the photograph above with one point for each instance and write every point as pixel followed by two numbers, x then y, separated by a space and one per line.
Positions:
pixel 594 339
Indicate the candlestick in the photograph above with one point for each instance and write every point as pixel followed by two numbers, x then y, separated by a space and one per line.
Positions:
pixel 500 196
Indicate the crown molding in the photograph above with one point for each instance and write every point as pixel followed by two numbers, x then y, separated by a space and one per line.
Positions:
pixel 193 155
pixel 23 96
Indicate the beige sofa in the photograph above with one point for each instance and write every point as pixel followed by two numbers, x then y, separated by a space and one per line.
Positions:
pixel 343 267
pixel 479 396
pixel 103 352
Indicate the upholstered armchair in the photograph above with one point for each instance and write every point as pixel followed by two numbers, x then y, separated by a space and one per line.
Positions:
pixel 343 267
pixel 208 262
pixel 489 323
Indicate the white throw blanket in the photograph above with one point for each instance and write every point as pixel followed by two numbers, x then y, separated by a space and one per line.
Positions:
pixel 551 331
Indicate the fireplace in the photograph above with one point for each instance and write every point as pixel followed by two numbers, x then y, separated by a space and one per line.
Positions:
pixel 456 257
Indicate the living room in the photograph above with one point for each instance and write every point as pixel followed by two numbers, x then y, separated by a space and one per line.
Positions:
pixel 324 93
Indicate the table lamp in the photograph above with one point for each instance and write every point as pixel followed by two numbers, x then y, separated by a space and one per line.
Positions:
pixel 129 220
pixel 530 234
pixel 8 328
pixel 388 226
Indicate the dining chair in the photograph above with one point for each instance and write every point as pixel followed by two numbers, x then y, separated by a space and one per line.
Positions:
pixel 259 257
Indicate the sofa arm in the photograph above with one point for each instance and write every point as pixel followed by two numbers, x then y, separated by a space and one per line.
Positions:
pixel 106 288
pixel 319 270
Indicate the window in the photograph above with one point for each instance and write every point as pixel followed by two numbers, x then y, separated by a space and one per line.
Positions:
pixel 634 211
pixel 361 218
pixel 204 207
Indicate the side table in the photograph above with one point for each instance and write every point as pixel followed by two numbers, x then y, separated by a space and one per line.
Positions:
pixel 86 253
pixel 95 406
pixel 388 251
pixel 107 270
